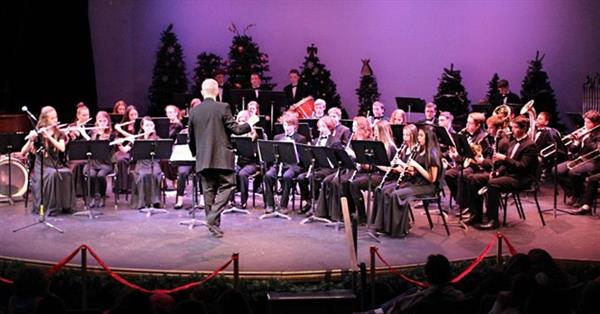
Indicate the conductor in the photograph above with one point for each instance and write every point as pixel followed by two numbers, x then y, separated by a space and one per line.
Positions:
pixel 211 124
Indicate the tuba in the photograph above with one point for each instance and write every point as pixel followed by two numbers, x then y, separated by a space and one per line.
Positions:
pixel 503 110
pixel 530 111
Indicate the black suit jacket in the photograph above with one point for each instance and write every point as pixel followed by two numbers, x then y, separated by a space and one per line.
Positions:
pixel 511 98
pixel 226 98
pixel 301 92
pixel 342 134
pixel 211 124
pixel 524 164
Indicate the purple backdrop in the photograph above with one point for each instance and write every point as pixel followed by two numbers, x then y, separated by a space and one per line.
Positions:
pixel 408 42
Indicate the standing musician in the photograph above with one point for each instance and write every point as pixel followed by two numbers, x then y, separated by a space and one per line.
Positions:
pixel 382 209
pixel 475 181
pixel 475 136
pixel 175 126
pixel 398 117
pixel 508 97
pixel 58 191
pixel 326 126
pixel 341 133
pixel 383 133
pixel 246 167
pixel 295 91
pixel 319 111
pixel 99 169
pixel 430 114
pixel 336 185
pixel 119 107
pixel 122 156
pixel 515 170
pixel 288 172
pixel 224 88
pixel 584 140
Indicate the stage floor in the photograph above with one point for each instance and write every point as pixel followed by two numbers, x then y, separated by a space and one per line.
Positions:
pixel 125 238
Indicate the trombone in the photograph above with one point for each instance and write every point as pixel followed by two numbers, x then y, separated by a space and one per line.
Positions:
pixel 584 159
pixel 567 140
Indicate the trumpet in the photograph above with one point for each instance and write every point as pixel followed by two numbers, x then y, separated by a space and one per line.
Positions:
pixel 581 160
pixel 567 140
pixel 130 138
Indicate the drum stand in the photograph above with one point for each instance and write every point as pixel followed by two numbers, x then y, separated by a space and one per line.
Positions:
pixel 41 210
pixel 9 198
pixel 8 142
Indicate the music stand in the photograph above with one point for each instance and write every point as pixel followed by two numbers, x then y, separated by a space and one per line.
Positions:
pixel 347 123
pixel 88 151
pixel 312 126
pixel 398 134
pixel 9 143
pixel 152 149
pixel 314 157
pixel 559 148
pixel 243 147
pixel 161 125
pixel 410 104
pixel 275 100
pixel 277 153
pixel 372 153
pixel 241 97
pixel 115 118
pixel 40 151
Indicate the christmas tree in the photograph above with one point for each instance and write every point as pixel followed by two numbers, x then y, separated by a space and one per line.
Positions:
pixel 168 76
pixel 245 58
pixel 493 95
pixel 207 65
pixel 451 95
pixel 318 79
pixel 536 86
pixel 368 91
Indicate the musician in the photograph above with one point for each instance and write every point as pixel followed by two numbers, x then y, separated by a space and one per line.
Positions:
pixel 430 114
pixel 589 196
pixel 82 116
pixel 336 185
pixel 508 97
pixel 246 167
pixel 546 136
pixel 378 109
pixel 383 133
pixel 289 172
pixel 122 156
pixel 571 180
pixel 515 170
pixel 224 87
pixel 499 141
pixel 175 126
pixel 319 111
pixel 97 170
pixel 145 190
pixel 119 107
pixel 398 117
pixel 382 207
pixel 475 136
pixel 341 133
pixel 296 90
pixel 58 190
pixel 210 126
pixel 326 126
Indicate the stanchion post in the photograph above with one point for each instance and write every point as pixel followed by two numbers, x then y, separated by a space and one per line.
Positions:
pixel 499 254
pixel 363 285
pixel 372 250
pixel 236 270
pixel 84 278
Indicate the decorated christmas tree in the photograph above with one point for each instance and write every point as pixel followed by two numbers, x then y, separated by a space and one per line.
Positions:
pixel 318 79
pixel 168 76
pixel 368 91
pixel 493 95
pixel 245 58
pixel 451 95
pixel 207 65
pixel 536 86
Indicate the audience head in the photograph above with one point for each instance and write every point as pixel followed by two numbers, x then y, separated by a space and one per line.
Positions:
pixel 233 302
pixel 437 270
pixel 398 117
pixel 162 303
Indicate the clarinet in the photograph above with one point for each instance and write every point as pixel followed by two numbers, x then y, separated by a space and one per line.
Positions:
pixel 394 163
pixel 411 156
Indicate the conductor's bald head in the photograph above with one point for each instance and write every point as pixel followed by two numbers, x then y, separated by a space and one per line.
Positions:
pixel 210 88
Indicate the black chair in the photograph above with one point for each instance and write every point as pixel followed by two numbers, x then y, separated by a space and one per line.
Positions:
pixel 533 188
pixel 435 197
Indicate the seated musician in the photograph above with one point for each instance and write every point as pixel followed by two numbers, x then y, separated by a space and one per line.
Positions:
pixel 119 107
pixel 341 133
pixel 383 133
pixel 514 170
pixel 77 132
pixel 145 190
pixel 430 114
pixel 99 169
pixel 445 120
pixel 57 193
pixel 475 136
pixel 319 111
pixel 475 181
pixel 122 156
pixel 336 185
pixel 546 136
pixel 378 110
pixel 398 117
pixel 175 126
pixel 382 208
pixel 584 141
pixel 246 167
pixel 590 193
pixel 288 172
pixel 326 126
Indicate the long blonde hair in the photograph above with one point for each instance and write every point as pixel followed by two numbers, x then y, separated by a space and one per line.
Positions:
pixel 383 133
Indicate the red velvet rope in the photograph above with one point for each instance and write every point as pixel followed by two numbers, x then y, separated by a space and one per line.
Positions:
pixel 6 281
pixel 401 275
pixel 475 262
pixel 511 248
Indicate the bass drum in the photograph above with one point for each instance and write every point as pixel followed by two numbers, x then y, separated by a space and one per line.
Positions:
pixel 19 176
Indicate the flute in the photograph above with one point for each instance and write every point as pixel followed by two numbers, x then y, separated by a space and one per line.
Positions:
pixel 130 138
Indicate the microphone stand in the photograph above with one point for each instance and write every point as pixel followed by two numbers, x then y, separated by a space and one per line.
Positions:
pixel 41 210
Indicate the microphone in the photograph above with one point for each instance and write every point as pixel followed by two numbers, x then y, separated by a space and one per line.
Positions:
pixel 24 109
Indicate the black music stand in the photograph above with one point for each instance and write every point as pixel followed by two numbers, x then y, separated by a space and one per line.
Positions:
pixel 277 153
pixel 398 134
pixel 115 118
pixel 314 157
pixel 241 97
pixel 372 153
pixel 9 143
pixel 243 147
pixel 88 151
pixel 347 123
pixel 312 127
pixel 410 104
pixel 275 100
pixel 161 125
pixel 303 129
pixel 559 148
pixel 152 149
pixel 40 151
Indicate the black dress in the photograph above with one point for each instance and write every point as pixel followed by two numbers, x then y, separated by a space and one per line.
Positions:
pixel 98 170
pixel 145 188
